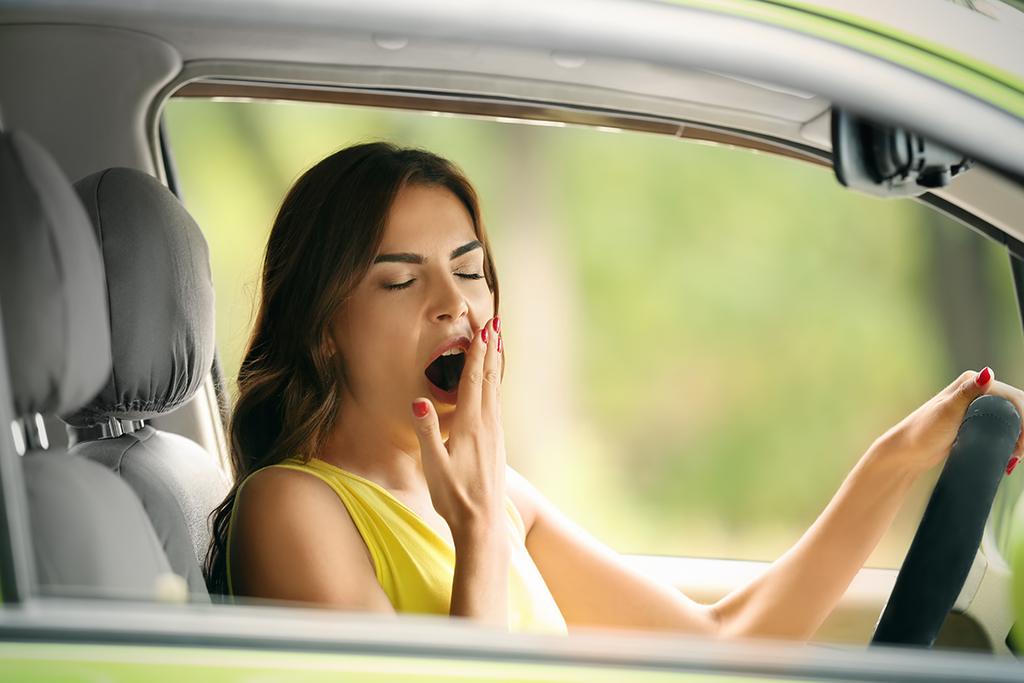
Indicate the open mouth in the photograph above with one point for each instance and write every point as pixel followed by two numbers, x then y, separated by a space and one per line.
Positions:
pixel 446 370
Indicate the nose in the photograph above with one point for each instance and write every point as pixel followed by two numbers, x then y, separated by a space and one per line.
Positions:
pixel 447 302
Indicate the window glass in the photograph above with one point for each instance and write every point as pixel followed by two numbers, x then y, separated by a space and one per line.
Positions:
pixel 703 340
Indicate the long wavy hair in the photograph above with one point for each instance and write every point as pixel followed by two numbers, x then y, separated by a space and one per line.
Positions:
pixel 323 241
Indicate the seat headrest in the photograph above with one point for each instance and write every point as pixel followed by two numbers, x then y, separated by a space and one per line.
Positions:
pixel 160 293
pixel 52 296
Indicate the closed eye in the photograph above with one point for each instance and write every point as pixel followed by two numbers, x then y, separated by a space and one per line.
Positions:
pixel 407 283
pixel 400 285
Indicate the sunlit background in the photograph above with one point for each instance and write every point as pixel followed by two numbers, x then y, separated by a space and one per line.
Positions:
pixel 703 340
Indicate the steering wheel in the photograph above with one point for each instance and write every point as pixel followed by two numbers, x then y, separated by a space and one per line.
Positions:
pixel 946 541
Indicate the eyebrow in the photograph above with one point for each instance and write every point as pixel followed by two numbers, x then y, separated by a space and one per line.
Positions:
pixel 407 257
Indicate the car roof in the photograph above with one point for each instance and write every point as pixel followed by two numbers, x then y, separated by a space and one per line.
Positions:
pixel 985 33
pixel 772 70
pixel 739 57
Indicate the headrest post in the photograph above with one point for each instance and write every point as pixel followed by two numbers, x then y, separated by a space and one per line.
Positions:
pixel 105 428
pixel 18 436
pixel 33 431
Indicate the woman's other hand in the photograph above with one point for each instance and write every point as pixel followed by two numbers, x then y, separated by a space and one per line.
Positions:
pixel 466 477
pixel 924 438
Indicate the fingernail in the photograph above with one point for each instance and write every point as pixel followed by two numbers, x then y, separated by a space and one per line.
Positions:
pixel 1013 463
pixel 499 344
pixel 496 323
pixel 483 334
pixel 419 408
pixel 984 376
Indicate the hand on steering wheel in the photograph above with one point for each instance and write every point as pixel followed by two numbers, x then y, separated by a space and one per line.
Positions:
pixel 924 438
pixel 986 429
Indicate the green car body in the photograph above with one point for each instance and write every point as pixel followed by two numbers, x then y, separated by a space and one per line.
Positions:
pixel 989 83
pixel 233 648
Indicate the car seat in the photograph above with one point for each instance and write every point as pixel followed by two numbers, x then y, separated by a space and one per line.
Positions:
pixel 89 533
pixel 162 335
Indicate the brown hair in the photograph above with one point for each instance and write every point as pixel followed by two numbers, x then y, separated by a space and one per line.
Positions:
pixel 324 239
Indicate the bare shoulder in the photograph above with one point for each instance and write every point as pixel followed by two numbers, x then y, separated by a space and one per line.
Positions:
pixel 283 485
pixel 293 539
pixel 277 496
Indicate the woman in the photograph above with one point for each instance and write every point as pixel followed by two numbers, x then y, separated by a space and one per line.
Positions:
pixel 368 450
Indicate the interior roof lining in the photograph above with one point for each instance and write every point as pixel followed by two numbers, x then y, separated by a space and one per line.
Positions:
pixel 496 106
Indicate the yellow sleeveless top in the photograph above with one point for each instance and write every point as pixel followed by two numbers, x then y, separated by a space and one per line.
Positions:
pixel 414 565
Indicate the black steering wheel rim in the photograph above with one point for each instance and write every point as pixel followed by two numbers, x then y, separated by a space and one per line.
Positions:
pixel 947 539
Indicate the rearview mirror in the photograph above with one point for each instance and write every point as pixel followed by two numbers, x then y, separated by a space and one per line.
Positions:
pixel 886 161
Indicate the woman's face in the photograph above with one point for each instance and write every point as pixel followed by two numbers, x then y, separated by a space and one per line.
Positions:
pixel 425 291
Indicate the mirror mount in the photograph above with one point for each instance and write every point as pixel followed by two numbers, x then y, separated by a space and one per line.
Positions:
pixel 887 161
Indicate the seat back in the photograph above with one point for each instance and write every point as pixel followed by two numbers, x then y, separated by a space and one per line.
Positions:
pixel 161 315
pixel 89 533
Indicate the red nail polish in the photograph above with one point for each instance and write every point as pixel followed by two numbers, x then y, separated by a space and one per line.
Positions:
pixel 499 344
pixel 496 323
pixel 419 408
pixel 1013 463
pixel 483 334
pixel 984 376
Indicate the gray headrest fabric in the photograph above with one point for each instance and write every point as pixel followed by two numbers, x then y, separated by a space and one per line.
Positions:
pixel 160 293
pixel 52 293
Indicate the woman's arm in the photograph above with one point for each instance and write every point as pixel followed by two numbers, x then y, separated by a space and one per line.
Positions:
pixel 594 587
pixel 480 583
pixel 591 584
pixel 800 589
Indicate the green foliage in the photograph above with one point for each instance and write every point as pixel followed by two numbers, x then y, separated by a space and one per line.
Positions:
pixel 702 340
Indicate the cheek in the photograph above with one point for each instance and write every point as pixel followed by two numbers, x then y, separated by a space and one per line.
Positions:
pixel 368 341
pixel 482 305
pixel 387 348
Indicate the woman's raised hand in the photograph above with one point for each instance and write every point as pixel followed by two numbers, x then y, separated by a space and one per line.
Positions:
pixel 925 437
pixel 466 476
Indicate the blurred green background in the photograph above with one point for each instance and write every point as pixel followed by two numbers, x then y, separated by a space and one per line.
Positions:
pixel 703 340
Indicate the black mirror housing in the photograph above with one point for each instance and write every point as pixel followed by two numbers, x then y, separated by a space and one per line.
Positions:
pixel 887 161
